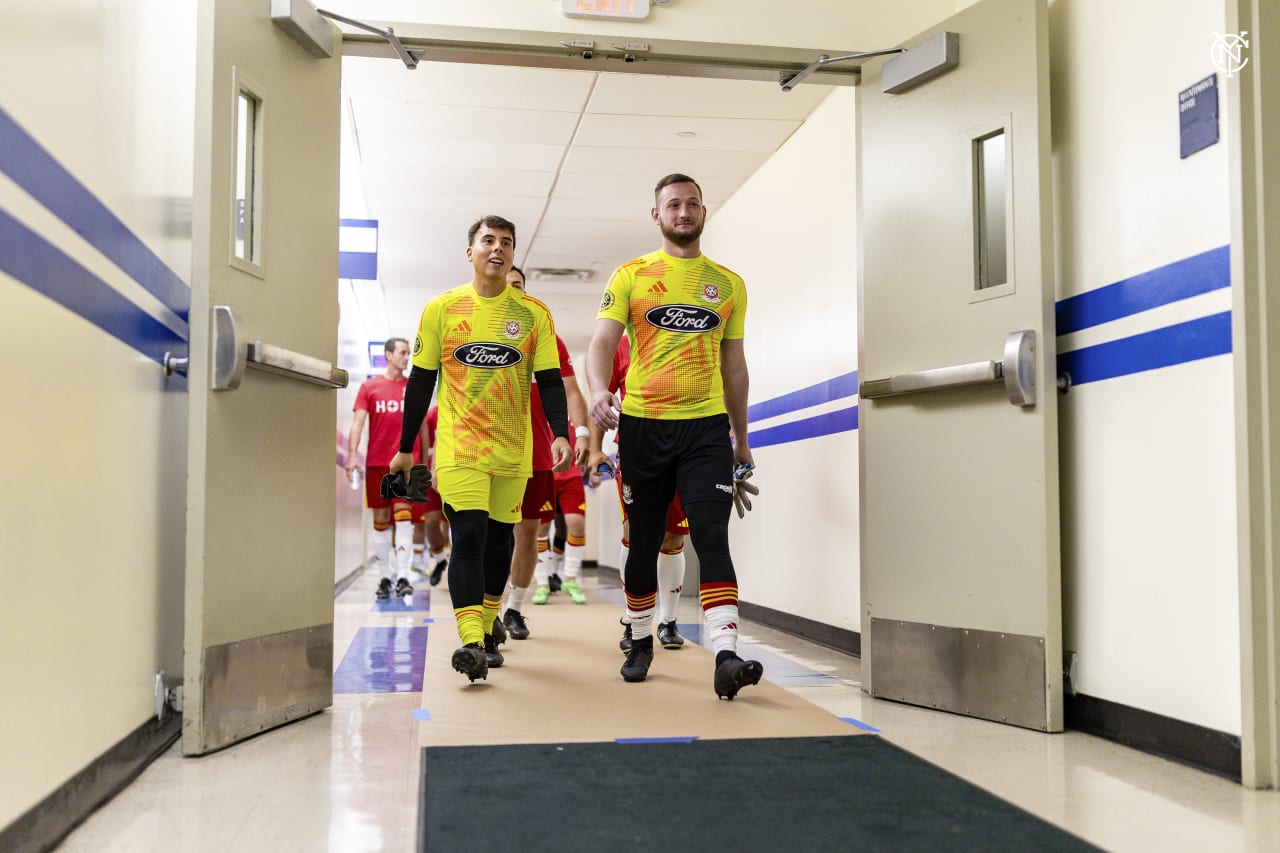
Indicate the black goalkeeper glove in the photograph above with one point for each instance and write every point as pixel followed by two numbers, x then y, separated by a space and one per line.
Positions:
pixel 393 485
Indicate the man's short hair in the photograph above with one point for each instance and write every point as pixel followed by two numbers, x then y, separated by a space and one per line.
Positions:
pixel 390 345
pixel 515 268
pixel 492 221
pixel 674 178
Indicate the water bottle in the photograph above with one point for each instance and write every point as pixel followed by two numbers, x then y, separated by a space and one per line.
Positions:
pixel 354 477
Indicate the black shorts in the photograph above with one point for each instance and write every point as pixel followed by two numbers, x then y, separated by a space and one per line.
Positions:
pixel 692 455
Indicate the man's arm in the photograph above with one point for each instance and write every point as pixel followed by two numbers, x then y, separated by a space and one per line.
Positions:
pixel 604 343
pixel 417 400
pixel 353 440
pixel 733 370
pixel 577 414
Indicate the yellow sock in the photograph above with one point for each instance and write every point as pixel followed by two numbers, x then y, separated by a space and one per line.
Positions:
pixel 492 604
pixel 470 624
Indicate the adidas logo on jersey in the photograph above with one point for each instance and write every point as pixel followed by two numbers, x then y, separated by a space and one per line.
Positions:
pixel 464 326
pixel 658 288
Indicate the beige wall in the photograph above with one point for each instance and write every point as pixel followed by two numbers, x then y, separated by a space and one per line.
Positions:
pixel 91 554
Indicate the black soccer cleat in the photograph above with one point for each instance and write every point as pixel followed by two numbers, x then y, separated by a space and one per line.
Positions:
pixel 515 624
pixel 403 588
pixel 384 589
pixel 625 643
pixel 492 656
pixel 438 571
pixel 470 661
pixel 554 582
pixel 638 659
pixel 733 673
pixel 499 631
pixel 668 636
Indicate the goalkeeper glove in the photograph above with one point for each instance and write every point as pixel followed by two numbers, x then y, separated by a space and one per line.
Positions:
pixel 393 485
pixel 742 490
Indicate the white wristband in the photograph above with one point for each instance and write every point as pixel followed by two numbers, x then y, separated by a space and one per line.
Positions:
pixel 582 432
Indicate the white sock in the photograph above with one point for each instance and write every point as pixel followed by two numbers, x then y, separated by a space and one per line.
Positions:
pixel 404 547
pixel 622 573
pixel 573 555
pixel 641 622
pixel 722 627
pixel 670 584
pixel 419 554
pixel 382 550
pixel 515 597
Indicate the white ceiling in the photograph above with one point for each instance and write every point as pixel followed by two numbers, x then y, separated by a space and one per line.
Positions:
pixel 570 157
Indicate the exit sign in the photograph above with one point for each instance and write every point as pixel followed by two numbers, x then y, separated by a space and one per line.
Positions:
pixel 631 10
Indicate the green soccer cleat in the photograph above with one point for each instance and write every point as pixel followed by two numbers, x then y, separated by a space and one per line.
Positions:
pixel 541 594
pixel 575 591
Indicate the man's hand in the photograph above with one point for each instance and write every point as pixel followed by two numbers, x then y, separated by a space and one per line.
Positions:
pixel 561 455
pixel 742 490
pixel 596 459
pixel 581 450
pixel 605 407
pixel 402 462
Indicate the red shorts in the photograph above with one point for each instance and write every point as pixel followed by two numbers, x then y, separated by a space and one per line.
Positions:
pixel 539 497
pixel 373 498
pixel 571 498
pixel 433 504
pixel 677 523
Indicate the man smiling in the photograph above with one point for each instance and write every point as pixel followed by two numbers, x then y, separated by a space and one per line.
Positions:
pixel 487 341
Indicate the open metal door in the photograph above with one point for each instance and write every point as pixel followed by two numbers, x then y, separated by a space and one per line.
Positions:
pixel 958 424
pixel 260 500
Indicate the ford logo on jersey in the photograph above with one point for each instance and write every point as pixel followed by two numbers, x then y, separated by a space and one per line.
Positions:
pixel 683 318
pixel 487 355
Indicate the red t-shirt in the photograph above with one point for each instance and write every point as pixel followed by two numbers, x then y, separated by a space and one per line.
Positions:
pixel 383 399
pixel 621 363
pixel 542 436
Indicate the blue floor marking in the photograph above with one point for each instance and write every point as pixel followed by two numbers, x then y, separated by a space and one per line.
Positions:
pixel 421 601
pixel 383 660
pixel 422 714
pixel 856 723
pixel 630 740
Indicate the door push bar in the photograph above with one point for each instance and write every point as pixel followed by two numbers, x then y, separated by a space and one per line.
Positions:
pixel 1018 370
pixel 231 357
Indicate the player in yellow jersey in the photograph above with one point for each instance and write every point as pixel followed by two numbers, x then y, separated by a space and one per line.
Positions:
pixel 485 342
pixel 686 390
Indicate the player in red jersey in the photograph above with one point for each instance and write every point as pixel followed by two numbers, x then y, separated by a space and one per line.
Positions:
pixel 539 496
pixel 428 518
pixel 380 401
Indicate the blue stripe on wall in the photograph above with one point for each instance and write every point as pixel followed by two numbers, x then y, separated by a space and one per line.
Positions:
pixel 32 260
pixel 826 424
pixel 35 170
pixel 1190 341
pixel 1189 277
pixel 832 389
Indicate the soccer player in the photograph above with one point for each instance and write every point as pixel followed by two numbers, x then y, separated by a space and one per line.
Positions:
pixel 429 516
pixel 539 495
pixel 570 545
pixel 380 401
pixel 670 571
pixel 485 342
pixel 686 390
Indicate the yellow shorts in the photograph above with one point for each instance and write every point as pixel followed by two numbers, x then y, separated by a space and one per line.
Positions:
pixel 467 488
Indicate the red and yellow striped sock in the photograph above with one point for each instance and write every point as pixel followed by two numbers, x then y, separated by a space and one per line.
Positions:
pixel 470 624
pixel 492 604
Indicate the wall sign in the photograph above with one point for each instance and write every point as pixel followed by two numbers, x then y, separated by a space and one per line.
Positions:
pixel 1198 115
pixel 627 10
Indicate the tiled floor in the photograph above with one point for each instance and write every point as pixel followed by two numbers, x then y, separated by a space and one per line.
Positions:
pixel 346 780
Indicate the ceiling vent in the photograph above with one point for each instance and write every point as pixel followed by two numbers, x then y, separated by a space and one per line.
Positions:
pixel 566 275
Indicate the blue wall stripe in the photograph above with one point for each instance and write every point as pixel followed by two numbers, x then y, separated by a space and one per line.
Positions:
pixel 1190 341
pixel 825 424
pixel 1189 277
pixel 832 389
pixel 33 169
pixel 43 267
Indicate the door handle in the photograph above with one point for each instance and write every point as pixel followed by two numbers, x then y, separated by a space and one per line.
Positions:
pixel 231 357
pixel 1017 369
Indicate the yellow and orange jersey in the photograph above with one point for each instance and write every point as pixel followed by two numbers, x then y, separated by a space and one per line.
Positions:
pixel 486 349
pixel 677 311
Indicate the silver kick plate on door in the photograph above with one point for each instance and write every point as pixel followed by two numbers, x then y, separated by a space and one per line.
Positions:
pixel 231 357
pixel 1018 370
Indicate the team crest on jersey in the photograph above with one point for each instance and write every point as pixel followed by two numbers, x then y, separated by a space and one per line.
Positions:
pixel 512 329
pixel 606 300
pixel 417 344
pixel 626 493
pixel 711 292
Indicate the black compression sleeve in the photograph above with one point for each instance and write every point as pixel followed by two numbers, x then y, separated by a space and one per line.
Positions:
pixel 554 402
pixel 417 399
